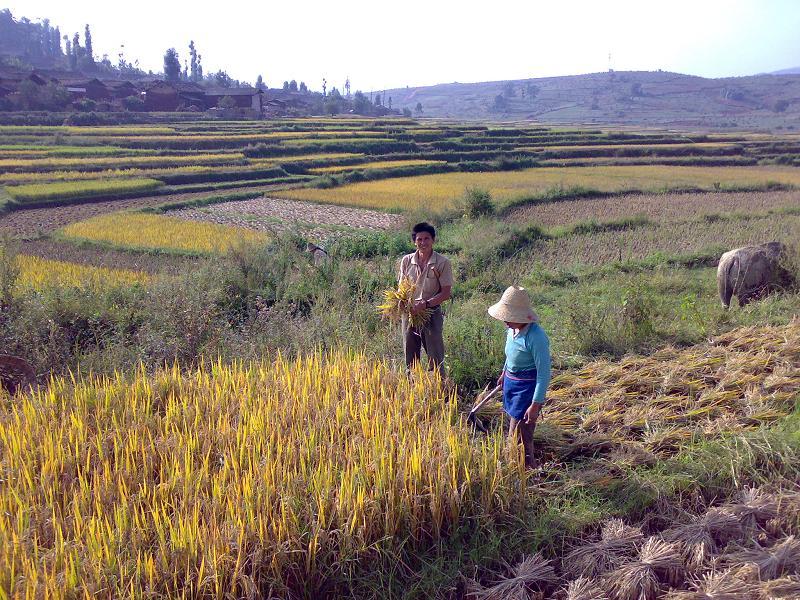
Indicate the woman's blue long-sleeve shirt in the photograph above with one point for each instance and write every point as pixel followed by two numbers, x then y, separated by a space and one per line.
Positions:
pixel 530 349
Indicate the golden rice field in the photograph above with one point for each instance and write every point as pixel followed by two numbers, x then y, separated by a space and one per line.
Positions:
pixel 37 176
pixel 644 147
pixel 83 130
pixel 160 233
pixel 438 191
pixel 233 478
pixel 94 162
pixel 305 157
pixel 252 137
pixel 43 192
pixel 381 164
pixel 39 273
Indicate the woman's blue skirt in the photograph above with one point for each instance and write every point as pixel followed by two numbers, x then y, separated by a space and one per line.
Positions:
pixel 518 391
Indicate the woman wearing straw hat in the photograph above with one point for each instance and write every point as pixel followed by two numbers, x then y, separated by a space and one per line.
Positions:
pixel 526 373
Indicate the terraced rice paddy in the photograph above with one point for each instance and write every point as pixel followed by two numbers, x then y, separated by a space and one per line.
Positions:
pixel 381 164
pixel 439 191
pixel 38 274
pixel 254 464
pixel 159 233
pixel 656 207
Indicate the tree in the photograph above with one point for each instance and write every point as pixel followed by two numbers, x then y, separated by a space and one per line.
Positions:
pixel 46 38
pixel 390 103
pixel 303 87
pixel 226 103
pixel 87 41
pixel 172 65
pixel 285 86
pixel 418 108
pixel 500 103
pixel 260 84
pixel 222 79
pixel 324 87
pixel 508 89
pixel 68 48
pixel 193 64
pixel 347 86
pixel 333 106
pixel 133 103
pixel 361 104
pixel 293 86
pixel 56 43
pixel 406 112
pixel 378 100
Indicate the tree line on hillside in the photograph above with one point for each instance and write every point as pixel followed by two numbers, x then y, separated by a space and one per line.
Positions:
pixel 28 45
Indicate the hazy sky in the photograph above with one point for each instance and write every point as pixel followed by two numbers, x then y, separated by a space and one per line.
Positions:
pixel 381 45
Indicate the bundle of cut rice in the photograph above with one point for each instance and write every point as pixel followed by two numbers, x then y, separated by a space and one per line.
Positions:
pixel 782 558
pixel 659 562
pixel 785 588
pixel 700 538
pixel 618 543
pixel 533 572
pixel 584 589
pixel 397 304
pixel 754 508
pixel 721 585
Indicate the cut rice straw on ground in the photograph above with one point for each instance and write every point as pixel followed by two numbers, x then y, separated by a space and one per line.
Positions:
pixel 618 544
pixel 533 572
pixel 659 563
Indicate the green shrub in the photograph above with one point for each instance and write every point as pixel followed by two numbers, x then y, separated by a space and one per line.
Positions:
pixel 476 202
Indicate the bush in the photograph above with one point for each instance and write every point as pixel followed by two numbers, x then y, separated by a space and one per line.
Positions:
pixel 133 103
pixel 85 105
pixel 476 202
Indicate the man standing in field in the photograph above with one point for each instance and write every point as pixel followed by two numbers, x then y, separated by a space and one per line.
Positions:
pixel 433 276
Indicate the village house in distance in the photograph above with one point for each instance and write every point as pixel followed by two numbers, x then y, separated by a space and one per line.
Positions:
pixel 147 94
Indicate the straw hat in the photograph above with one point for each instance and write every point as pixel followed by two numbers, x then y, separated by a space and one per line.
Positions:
pixel 514 306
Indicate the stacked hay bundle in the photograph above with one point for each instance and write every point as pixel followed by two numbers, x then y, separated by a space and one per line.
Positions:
pixel 746 549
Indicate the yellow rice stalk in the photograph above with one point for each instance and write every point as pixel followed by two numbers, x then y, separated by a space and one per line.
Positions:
pixel 397 304
pixel 39 273
pixel 234 479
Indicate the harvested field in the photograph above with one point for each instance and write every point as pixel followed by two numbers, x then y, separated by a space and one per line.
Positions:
pixel 657 207
pixel 687 237
pixel 274 214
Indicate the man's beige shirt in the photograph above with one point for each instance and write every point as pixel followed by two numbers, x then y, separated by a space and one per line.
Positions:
pixel 438 273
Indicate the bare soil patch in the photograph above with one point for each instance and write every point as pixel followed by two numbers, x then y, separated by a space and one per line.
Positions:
pixel 657 207
pixel 321 222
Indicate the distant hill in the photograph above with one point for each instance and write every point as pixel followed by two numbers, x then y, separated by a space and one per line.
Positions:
pixel 791 71
pixel 636 98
